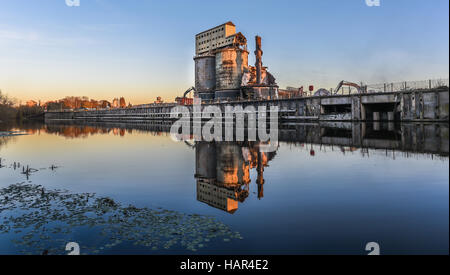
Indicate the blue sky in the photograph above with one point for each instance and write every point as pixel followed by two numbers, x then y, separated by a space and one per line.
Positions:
pixel 141 49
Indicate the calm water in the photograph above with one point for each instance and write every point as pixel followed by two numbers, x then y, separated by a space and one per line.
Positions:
pixel 130 189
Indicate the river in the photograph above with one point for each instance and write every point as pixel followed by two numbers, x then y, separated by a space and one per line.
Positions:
pixel 130 189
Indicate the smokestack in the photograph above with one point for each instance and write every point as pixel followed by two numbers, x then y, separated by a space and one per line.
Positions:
pixel 258 54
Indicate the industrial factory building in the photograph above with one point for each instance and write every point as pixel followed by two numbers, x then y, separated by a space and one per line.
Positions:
pixel 214 38
pixel 222 71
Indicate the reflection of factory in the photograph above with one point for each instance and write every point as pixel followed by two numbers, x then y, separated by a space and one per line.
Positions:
pixel 223 172
pixel 221 67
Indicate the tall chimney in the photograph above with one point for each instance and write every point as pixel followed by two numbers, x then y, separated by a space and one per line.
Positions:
pixel 258 65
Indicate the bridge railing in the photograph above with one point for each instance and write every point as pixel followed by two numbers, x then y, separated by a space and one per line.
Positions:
pixel 408 85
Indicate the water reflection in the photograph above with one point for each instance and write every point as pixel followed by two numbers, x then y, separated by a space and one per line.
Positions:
pixel 344 184
pixel 415 138
pixel 222 169
pixel 223 172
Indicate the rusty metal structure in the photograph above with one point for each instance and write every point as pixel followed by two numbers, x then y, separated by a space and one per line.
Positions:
pixel 231 64
pixel 222 72
pixel 258 64
pixel 259 83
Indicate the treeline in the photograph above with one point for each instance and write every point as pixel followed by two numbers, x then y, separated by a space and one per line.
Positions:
pixel 74 102
pixel 8 110
pixel 26 112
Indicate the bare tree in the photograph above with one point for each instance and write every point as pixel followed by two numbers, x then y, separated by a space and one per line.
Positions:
pixel 7 111
pixel 5 100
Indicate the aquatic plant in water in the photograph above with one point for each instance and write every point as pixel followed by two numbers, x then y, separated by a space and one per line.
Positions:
pixel 45 220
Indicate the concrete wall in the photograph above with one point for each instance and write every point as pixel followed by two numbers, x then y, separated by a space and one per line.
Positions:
pixel 214 38
pixel 205 74
pixel 425 105
pixel 443 105
pixel 429 105
pixel 230 66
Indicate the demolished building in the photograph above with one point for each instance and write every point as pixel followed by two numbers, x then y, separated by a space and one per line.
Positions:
pixel 222 71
